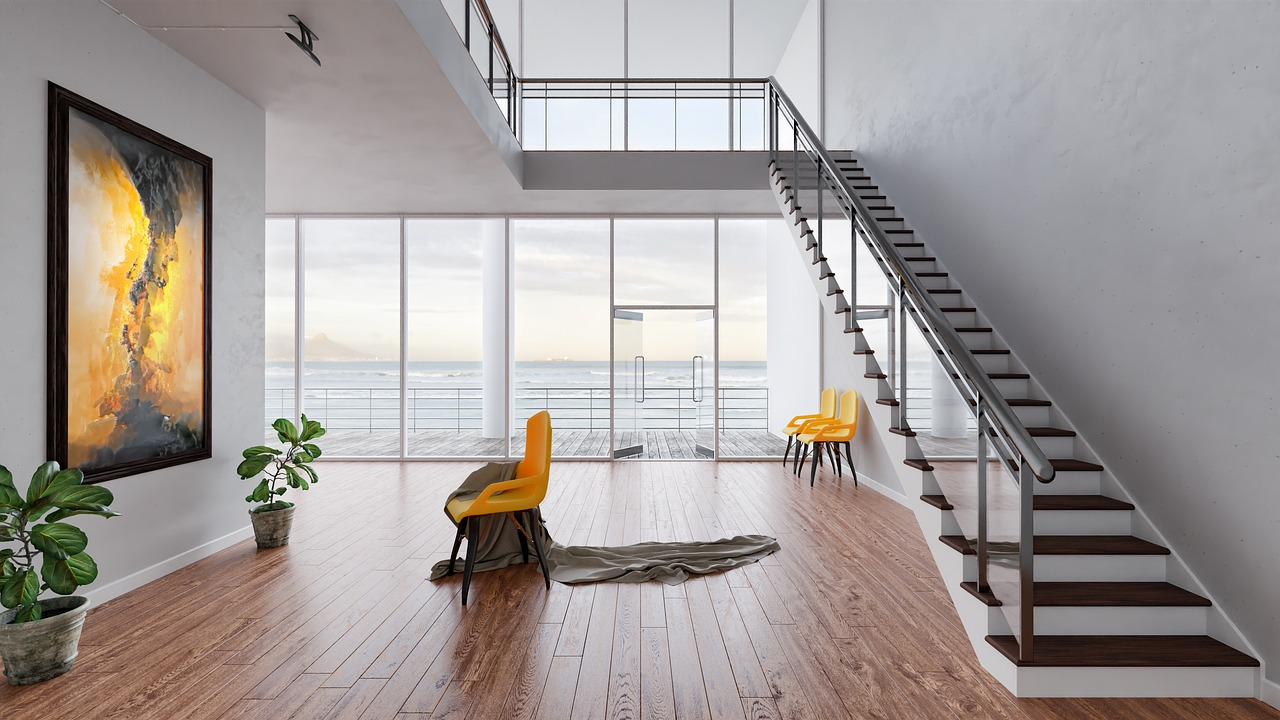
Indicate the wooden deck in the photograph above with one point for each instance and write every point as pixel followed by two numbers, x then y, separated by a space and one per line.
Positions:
pixel 660 445
pixel 849 620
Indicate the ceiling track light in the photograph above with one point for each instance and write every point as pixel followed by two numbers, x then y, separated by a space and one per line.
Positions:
pixel 307 42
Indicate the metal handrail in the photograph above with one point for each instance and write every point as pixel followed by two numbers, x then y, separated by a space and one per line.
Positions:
pixel 928 311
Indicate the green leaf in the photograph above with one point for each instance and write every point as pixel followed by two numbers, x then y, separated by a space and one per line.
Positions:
pixel 20 589
pixel 59 540
pixel 30 613
pixel 312 449
pixel 309 471
pixel 295 479
pixel 63 481
pixel 281 491
pixel 254 465
pixel 83 500
pixel 40 480
pixel 260 450
pixel 10 498
pixel 302 458
pixel 287 431
pixel 64 575
pixel 262 493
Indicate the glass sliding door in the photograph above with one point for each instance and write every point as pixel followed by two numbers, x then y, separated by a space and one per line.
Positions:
pixel 628 383
pixel 664 399
pixel 561 326
pixel 351 380
pixel 455 389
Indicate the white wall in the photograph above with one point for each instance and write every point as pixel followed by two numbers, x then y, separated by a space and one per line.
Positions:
pixel 87 48
pixel 793 325
pixel 798 70
pixel 1103 178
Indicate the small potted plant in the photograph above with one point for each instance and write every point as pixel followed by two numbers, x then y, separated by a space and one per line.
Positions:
pixel 39 639
pixel 280 470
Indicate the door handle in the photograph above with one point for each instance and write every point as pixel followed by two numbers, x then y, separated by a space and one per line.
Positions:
pixel 697 361
pixel 638 378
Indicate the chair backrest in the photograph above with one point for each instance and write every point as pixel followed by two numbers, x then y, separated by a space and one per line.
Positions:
pixel 828 406
pixel 848 408
pixel 537 446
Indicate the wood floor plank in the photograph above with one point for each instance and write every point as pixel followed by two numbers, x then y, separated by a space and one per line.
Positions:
pixel 624 671
pixel 686 668
pixel 656 701
pixel 558 696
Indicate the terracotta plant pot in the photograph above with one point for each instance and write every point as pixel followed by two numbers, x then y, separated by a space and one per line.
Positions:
pixel 37 651
pixel 271 528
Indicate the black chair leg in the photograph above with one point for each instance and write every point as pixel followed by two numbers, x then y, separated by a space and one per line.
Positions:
pixel 813 466
pixel 473 534
pixel 848 452
pixel 535 529
pixel 787 455
pixel 835 454
pixel 524 542
pixel 795 465
pixel 457 543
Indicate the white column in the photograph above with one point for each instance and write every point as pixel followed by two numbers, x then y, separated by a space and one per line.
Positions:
pixel 493 259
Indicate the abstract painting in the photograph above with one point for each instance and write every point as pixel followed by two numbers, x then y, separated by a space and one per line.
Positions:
pixel 130 221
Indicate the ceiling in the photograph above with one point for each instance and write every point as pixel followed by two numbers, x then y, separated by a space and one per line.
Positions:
pixel 378 128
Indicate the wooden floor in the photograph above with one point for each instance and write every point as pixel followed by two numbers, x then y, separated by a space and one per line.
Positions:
pixel 849 620
pixel 659 444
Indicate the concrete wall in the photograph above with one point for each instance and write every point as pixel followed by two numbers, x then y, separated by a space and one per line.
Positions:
pixel 1102 178
pixel 175 515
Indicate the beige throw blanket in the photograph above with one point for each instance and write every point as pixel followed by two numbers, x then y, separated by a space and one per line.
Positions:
pixel 670 562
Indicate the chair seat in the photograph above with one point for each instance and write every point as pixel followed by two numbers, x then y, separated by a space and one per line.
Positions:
pixel 503 502
pixel 829 436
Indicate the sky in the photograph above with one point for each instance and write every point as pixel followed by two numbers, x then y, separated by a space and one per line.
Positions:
pixel 560 284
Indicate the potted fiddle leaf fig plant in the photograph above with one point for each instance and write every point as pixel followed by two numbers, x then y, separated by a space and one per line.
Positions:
pixel 39 639
pixel 280 469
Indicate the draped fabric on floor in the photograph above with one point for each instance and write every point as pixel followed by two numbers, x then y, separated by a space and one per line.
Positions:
pixel 671 562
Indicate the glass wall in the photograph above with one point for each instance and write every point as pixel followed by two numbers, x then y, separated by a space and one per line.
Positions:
pixel 280 302
pixel 560 278
pixel 456 354
pixel 499 318
pixel 351 371
pixel 744 391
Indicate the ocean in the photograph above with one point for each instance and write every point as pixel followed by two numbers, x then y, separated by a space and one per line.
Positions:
pixel 364 395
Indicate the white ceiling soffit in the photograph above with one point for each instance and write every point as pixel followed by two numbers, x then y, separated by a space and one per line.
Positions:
pixel 378 128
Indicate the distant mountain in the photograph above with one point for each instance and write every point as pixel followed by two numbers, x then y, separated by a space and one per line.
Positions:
pixel 321 349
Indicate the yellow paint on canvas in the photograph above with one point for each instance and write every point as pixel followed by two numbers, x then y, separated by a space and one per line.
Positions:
pixel 127 340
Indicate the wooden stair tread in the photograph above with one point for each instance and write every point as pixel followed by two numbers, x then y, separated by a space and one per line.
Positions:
pixel 1074 545
pixel 1049 431
pixel 1125 651
pixel 887 401
pixel 922 258
pixel 1051 502
pixel 1079 502
pixel 875 376
pixel 1115 594
pixel 1023 402
pixel 918 463
pixel 1005 376
pixel 1100 594
pixel 1070 465
pixel 961 310
pixel 945 291
pixel 993 351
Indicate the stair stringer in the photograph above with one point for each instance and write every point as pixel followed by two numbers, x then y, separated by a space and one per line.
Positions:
pixel 976 617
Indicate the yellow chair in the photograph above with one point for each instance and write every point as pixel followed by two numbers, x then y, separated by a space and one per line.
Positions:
pixel 519 496
pixel 820 434
pixel 826 411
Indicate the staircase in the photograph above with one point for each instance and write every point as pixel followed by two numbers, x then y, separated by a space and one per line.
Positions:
pixel 1113 612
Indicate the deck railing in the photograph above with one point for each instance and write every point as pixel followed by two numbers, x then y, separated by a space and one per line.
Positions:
pixel 460 409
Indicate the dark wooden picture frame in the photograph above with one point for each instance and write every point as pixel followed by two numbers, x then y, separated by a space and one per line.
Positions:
pixel 126 232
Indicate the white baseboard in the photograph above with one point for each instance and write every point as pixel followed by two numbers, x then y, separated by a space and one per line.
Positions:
pixel 113 590
pixel 885 490
pixel 1270 693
